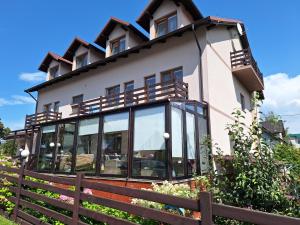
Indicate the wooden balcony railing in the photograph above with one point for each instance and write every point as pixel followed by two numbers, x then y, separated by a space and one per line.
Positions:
pixel 40 118
pixel 243 58
pixel 173 89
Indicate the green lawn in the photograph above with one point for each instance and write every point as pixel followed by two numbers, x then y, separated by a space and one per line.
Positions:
pixel 4 221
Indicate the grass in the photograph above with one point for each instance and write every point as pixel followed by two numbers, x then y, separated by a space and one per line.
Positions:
pixel 4 221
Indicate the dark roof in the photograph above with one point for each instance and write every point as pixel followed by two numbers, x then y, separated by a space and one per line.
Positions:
pixel 145 17
pixel 208 21
pixel 49 57
pixel 77 42
pixel 111 24
pixel 273 127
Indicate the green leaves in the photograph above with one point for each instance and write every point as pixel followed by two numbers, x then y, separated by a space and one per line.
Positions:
pixel 252 178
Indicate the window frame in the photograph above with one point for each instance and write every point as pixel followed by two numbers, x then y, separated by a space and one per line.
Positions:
pixel 165 19
pixel 48 106
pixel 56 106
pixel 118 42
pixel 172 72
pixel 56 68
pixel 82 56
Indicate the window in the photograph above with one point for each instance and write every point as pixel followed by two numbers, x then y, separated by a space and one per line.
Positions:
pixel 113 95
pixel 65 140
pixel 54 71
pixel 129 86
pixel 243 106
pixel 87 143
pixel 174 74
pixel 118 45
pixel 77 99
pixel 47 147
pixel 112 91
pixel 47 107
pixel 149 147
pixel 129 89
pixel 81 60
pixel 166 25
pixel 150 85
pixel 177 143
pixel 56 106
pixel 115 144
pixel 191 143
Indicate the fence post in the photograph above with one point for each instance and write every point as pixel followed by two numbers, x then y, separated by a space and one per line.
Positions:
pixel 18 193
pixel 78 190
pixel 206 208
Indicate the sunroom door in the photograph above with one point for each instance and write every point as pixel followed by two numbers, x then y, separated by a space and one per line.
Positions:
pixel 64 147
pixel 47 148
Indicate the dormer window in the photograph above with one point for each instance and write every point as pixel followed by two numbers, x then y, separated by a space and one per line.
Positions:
pixel 81 60
pixel 54 71
pixel 118 45
pixel 166 25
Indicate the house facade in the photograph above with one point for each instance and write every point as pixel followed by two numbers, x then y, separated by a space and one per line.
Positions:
pixel 136 106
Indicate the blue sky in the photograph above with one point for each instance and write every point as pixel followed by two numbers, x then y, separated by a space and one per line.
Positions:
pixel 29 29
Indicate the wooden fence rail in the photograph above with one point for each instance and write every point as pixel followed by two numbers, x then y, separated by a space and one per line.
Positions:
pixel 26 199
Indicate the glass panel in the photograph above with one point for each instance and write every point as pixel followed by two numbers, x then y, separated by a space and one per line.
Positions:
pixel 191 144
pixel 149 159
pixel 54 71
pixel 122 45
pixel 177 143
pixel 150 83
pixel 129 92
pixel 178 74
pixel 162 28
pixel 81 60
pixel 65 142
pixel 77 99
pixel 115 47
pixel 115 144
pixel 166 77
pixel 172 23
pixel 204 150
pixel 87 145
pixel 113 95
pixel 47 148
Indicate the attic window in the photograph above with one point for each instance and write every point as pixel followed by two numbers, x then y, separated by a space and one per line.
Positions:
pixel 118 45
pixel 166 25
pixel 81 60
pixel 53 71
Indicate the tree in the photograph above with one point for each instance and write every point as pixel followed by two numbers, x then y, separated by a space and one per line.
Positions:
pixel 3 130
pixel 272 118
pixel 252 178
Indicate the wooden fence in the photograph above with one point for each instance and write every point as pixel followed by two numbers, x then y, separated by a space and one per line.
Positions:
pixel 24 199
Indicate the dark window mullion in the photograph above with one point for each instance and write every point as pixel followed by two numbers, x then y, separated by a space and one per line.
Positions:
pixel 73 163
pixel 168 128
pixel 99 158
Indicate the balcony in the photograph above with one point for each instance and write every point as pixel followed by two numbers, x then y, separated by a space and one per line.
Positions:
pixel 39 118
pixel 174 89
pixel 245 68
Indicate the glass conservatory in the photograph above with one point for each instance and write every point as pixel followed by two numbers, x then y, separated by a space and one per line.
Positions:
pixel 160 140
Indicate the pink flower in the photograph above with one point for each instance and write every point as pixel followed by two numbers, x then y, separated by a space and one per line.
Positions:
pixel 87 191
pixel 66 198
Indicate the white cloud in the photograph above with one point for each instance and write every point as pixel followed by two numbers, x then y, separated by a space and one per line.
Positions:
pixel 33 77
pixel 282 96
pixel 16 100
